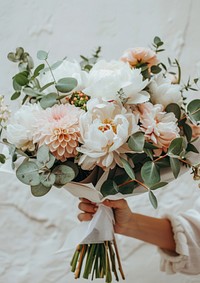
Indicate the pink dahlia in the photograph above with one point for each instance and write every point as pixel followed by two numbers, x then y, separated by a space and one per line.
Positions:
pixel 159 127
pixel 58 128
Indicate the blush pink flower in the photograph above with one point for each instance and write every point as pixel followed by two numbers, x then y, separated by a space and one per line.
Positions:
pixel 58 128
pixel 160 128
pixel 195 130
pixel 140 55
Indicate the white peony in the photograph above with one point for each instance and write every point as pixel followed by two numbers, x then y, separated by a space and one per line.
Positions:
pixel 162 91
pixel 20 132
pixel 65 69
pixel 104 130
pixel 106 79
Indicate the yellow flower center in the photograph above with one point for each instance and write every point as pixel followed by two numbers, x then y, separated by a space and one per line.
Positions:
pixel 108 124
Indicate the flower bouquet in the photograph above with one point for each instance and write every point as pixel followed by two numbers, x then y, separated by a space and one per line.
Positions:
pixel 100 130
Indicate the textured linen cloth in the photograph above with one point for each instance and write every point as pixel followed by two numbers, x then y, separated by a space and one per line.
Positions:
pixel 186 228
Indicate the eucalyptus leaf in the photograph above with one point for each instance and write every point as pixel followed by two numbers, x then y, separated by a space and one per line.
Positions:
pixel 2 158
pixel 191 147
pixel 39 190
pixel 38 70
pixel 42 55
pixel 126 188
pixel 12 57
pixel 127 167
pixel 149 153
pixel 66 85
pixel 43 154
pixel 48 100
pixel 21 78
pixel 46 86
pixel 51 161
pixel 136 142
pixel 176 147
pixel 16 86
pixel 47 179
pixel 193 109
pixel 174 108
pixel 153 199
pixel 31 92
pixel 158 185
pixel 109 187
pixel 28 173
pixel 175 166
pixel 149 145
pixel 15 95
pixel 187 131
pixel 155 69
pixel 64 174
pixel 150 173
pixel 73 166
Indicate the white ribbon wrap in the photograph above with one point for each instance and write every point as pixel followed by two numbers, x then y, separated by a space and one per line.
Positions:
pixel 100 228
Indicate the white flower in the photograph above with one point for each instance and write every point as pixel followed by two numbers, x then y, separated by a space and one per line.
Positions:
pixel 107 78
pixel 104 130
pixel 65 69
pixel 4 112
pixel 20 132
pixel 162 91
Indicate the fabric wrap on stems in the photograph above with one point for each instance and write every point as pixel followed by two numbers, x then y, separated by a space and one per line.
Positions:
pixel 100 228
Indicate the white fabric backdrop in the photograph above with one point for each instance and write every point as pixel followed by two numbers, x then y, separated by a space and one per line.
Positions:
pixel 33 229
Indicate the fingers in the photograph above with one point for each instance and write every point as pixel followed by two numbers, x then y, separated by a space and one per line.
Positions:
pixel 85 216
pixel 87 207
pixel 121 203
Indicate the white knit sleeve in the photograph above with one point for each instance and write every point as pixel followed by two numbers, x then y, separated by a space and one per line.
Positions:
pixel 186 228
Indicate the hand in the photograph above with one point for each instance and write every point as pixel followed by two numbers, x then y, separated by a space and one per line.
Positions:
pixel 121 210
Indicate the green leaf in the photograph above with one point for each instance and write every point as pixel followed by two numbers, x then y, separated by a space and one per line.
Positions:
pixel 21 78
pixel 150 173
pixel 46 86
pixel 49 100
pixel 127 167
pixel 191 147
pixel 39 190
pixel 158 185
pixel 109 187
pixel 38 69
pixel 42 55
pixel 43 154
pixel 73 166
pixel 136 142
pixel 47 179
pixel 2 158
pixel 126 188
pixel 187 131
pixel 175 166
pixel 51 161
pixel 15 95
pixel 66 85
pixel 155 69
pixel 174 108
pixel 31 92
pixel 149 145
pixel 28 173
pixel 153 199
pixel 64 174
pixel 16 86
pixel 193 110
pixel 149 153
pixel 176 147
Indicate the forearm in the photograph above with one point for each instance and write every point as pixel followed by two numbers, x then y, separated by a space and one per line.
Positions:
pixel 151 230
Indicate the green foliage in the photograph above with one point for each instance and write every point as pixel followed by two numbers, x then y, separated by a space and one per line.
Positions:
pixel 176 147
pixel 153 199
pixel 109 187
pixel 49 100
pixel 66 85
pixel 42 55
pixel 193 110
pixel 28 173
pixel 191 147
pixel 174 108
pixel 39 190
pixel 127 167
pixel 136 142
pixel 150 173
pixel 158 185
pixel 64 174
pixel 175 166
pixel 2 158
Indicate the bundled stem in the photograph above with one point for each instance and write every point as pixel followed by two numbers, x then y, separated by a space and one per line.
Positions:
pixel 100 261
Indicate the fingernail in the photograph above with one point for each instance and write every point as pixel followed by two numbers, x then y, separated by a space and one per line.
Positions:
pixel 95 209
